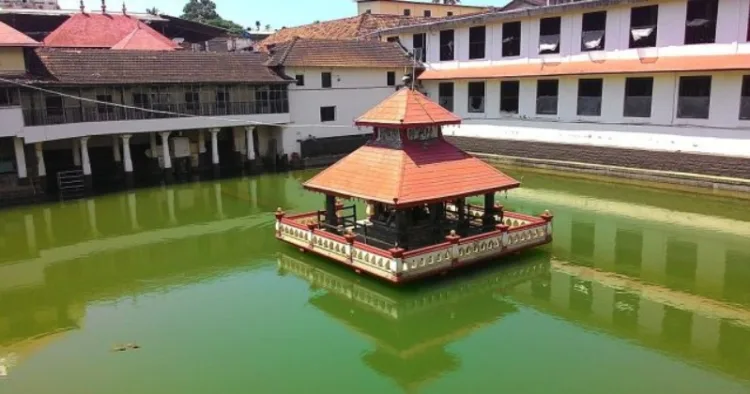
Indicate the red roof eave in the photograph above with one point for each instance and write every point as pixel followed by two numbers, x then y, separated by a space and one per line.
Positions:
pixel 406 125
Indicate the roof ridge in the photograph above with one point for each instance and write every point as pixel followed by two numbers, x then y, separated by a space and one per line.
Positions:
pixel 288 50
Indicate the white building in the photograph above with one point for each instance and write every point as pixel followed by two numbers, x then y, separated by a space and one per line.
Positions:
pixel 336 82
pixel 656 76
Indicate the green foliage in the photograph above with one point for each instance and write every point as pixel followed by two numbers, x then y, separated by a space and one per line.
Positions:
pixel 204 11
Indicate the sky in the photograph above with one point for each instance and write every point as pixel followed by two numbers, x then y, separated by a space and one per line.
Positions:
pixel 277 13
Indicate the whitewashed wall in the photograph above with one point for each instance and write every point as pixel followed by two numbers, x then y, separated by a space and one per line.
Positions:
pixel 354 91
pixel 721 133
pixel 731 37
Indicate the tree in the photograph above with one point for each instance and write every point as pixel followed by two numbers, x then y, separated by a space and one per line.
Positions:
pixel 268 27
pixel 257 25
pixel 153 11
pixel 200 11
pixel 204 11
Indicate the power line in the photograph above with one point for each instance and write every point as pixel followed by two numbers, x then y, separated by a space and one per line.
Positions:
pixel 161 112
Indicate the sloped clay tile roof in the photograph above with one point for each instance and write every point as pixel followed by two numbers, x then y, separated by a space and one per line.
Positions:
pixel 408 108
pixel 619 66
pixel 10 37
pixel 420 172
pixel 99 31
pixel 302 52
pixel 104 66
pixel 353 28
pixel 142 40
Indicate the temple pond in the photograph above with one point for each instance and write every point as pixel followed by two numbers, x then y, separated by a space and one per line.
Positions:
pixel 641 291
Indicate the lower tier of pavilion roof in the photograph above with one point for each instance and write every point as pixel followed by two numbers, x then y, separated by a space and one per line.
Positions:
pixel 417 173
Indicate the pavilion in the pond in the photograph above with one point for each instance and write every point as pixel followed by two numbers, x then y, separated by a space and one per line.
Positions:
pixel 415 185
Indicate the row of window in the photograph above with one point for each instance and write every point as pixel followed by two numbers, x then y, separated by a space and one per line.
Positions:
pixel 694 97
pixel 426 13
pixel 700 28
pixel 326 79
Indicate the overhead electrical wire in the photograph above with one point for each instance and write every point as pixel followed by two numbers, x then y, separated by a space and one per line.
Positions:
pixel 174 114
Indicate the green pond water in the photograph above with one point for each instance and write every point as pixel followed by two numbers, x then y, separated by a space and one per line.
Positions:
pixel 641 291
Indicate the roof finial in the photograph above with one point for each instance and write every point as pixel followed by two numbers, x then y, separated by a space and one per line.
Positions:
pixel 83 7
pixel 124 8
pixel 104 6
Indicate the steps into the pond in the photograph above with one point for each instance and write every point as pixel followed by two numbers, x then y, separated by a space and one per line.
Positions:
pixel 71 184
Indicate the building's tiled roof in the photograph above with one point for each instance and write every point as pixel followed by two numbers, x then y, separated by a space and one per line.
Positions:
pixel 142 40
pixel 358 27
pixel 102 66
pixel 100 31
pixel 418 173
pixel 300 52
pixel 613 66
pixel 409 108
pixel 10 37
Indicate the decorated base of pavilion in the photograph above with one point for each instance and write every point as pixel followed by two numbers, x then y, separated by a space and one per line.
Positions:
pixel 415 184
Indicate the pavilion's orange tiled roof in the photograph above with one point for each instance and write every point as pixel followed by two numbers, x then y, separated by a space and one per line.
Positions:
pixel 419 172
pixel 89 30
pixel 10 37
pixel 306 52
pixel 615 66
pixel 407 107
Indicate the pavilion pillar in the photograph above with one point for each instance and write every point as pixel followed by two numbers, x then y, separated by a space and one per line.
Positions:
pixel 461 207
pixel 166 157
pixel 488 220
pixel 40 165
pixel 331 219
pixel 215 151
pixel 116 154
pixel 86 162
pixel 20 151
pixel 127 160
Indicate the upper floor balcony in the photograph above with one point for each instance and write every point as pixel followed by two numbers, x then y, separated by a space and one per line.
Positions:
pixel 122 103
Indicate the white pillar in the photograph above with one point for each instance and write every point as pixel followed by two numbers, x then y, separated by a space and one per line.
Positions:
pixel 165 149
pixel 219 202
pixel 654 255
pixel 201 142
pixel 712 265
pixel 214 146
pixel 40 165
pixel 128 160
pixel 30 232
pixel 133 210
pixel 20 158
pixel 76 153
pixel 170 206
pixel 91 209
pixel 86 162
pixel 116 149
pixel 605 237
pixel 152 141
pixel 250 143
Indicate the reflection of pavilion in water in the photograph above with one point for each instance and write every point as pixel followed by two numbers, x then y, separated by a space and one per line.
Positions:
pixel 46 286
pixel 411 328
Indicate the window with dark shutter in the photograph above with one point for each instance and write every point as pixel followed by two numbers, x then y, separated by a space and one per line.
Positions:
pixel 590 97
pixel 54 105
pixel 327 114
pixel 300 79
pixel 638 96
pixel 407 12
pixel 745 98
pixel 476 97
pixel 419 43
pixel 549 35
pixel 511 39
pixel 694 101
pixel 509 94
pixel 9 97
pixel 700 23
pixel 593 31
pixel 391 78
pixel 446 45
pixel 326 80
pixel 643 24
pixel 477 39
pixel 427 13
pixel 445 95
pixel 546 96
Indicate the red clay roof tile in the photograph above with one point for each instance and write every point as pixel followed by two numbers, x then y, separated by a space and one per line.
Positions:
pixel 10 37
pixel 142 40
pixel 99 31
pixel 407 107
pixel 303 52
pixel 411 175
